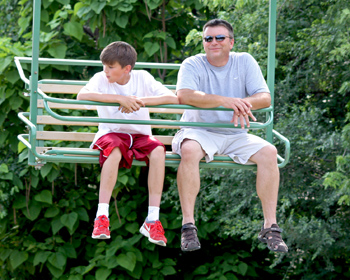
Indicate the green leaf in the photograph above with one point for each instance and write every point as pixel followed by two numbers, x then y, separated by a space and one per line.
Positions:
pixel 15 102
pixel 75 277
pixel 44 196
pixel 35 181
pixel 132 227
pixel 63 2
pixel 82 213
pixel 52 212
pixel 7 176
pixel 5 253
pixel 170 42
pixel 53 175
pixel 54 270
pixel 57 50
pixel 74 29
pixel 69 220
pixel 41 257
pixel 153 4
pixel 102 273
pixel 19 202
pixel 122 20
pixel 168 270
pixel 128 260
pixel 201 270
pixel 112 262
pixel 56 225
pixel 17 258
pixel 58 260
pixel 97 6
pixel 34 210
pixel 46 169
pixel 151 48
pixel 69 251
pixel 123 179
pixel 4 168
pixel 242 268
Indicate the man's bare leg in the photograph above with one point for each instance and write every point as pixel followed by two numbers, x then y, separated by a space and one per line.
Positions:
pixel 188 179
pixel 267 182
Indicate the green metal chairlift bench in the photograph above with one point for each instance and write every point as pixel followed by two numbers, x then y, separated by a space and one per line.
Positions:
pixel 46 111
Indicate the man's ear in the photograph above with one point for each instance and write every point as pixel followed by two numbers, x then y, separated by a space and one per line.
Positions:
pixel 232 42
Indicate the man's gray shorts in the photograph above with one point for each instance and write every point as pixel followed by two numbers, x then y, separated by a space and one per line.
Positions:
pixel 240 147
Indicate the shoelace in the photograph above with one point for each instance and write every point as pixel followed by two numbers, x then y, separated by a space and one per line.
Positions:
pixel 189 235
pixel 158 227
pixel 102 222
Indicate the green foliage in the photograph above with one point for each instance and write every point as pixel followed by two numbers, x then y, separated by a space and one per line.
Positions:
pixel 46 215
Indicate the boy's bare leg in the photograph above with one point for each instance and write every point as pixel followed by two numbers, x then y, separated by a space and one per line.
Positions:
pixel 188 179
pixel 152 227
pixel 109 175
pixel 156 176
pixel 267 182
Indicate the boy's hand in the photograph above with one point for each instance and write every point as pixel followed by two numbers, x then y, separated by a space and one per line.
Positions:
pixel 130 104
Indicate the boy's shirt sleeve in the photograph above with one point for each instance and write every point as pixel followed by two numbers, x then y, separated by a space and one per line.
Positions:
pixel 93 85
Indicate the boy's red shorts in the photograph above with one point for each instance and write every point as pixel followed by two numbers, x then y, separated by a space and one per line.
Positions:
pixel 130 145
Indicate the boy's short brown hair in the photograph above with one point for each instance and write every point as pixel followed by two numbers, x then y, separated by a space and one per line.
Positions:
pixel 120 52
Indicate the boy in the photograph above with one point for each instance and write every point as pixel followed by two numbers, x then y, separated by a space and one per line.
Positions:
pixel 119 143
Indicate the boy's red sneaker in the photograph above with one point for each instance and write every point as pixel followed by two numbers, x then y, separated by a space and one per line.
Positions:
pixel 154 231
pixel 101 228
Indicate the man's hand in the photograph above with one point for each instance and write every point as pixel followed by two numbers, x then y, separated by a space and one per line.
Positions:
pixel 130 104
pixel 242 112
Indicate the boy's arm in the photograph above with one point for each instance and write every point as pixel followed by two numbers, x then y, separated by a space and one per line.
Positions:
pixel 128 104
pixel 158 100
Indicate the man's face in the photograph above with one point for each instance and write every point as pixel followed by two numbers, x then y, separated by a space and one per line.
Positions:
pixel 217 51
pixel 116 74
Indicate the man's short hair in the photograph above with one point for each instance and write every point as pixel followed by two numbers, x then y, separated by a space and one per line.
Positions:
pixel 220 22
pixel 120 52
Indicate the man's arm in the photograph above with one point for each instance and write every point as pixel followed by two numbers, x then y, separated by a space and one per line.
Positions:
pixel 259 100
pixel 128 104
pixel 241 107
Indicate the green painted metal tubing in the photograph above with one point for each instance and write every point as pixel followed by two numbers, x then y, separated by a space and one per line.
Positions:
pixel 77 62
pixel 253 125
pixel 286 142
pixel 79 83
pixel 170 106
pixel 61 155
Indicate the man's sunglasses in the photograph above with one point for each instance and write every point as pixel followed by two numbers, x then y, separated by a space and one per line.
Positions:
pixel 218 38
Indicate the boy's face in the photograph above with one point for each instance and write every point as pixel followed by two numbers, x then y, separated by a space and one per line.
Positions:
pixel 116 74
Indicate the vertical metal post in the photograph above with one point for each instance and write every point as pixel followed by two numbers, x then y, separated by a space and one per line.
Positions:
pixel 34 72
pixel 271 60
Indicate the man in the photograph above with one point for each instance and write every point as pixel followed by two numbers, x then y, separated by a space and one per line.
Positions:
pixel 232 80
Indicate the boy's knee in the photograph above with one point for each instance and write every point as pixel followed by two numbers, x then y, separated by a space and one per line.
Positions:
pixel 158 152
pixel 116 153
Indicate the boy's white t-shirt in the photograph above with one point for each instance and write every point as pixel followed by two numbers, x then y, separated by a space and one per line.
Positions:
pixel 141 84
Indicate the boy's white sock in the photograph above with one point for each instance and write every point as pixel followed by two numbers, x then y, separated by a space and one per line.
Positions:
pixel 103 209
pixel 153 213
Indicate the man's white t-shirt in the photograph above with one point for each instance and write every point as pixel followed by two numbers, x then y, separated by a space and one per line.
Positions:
pixel 141 84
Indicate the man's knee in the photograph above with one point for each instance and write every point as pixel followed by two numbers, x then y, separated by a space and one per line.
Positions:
pixel 191 149
pixel 266 154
